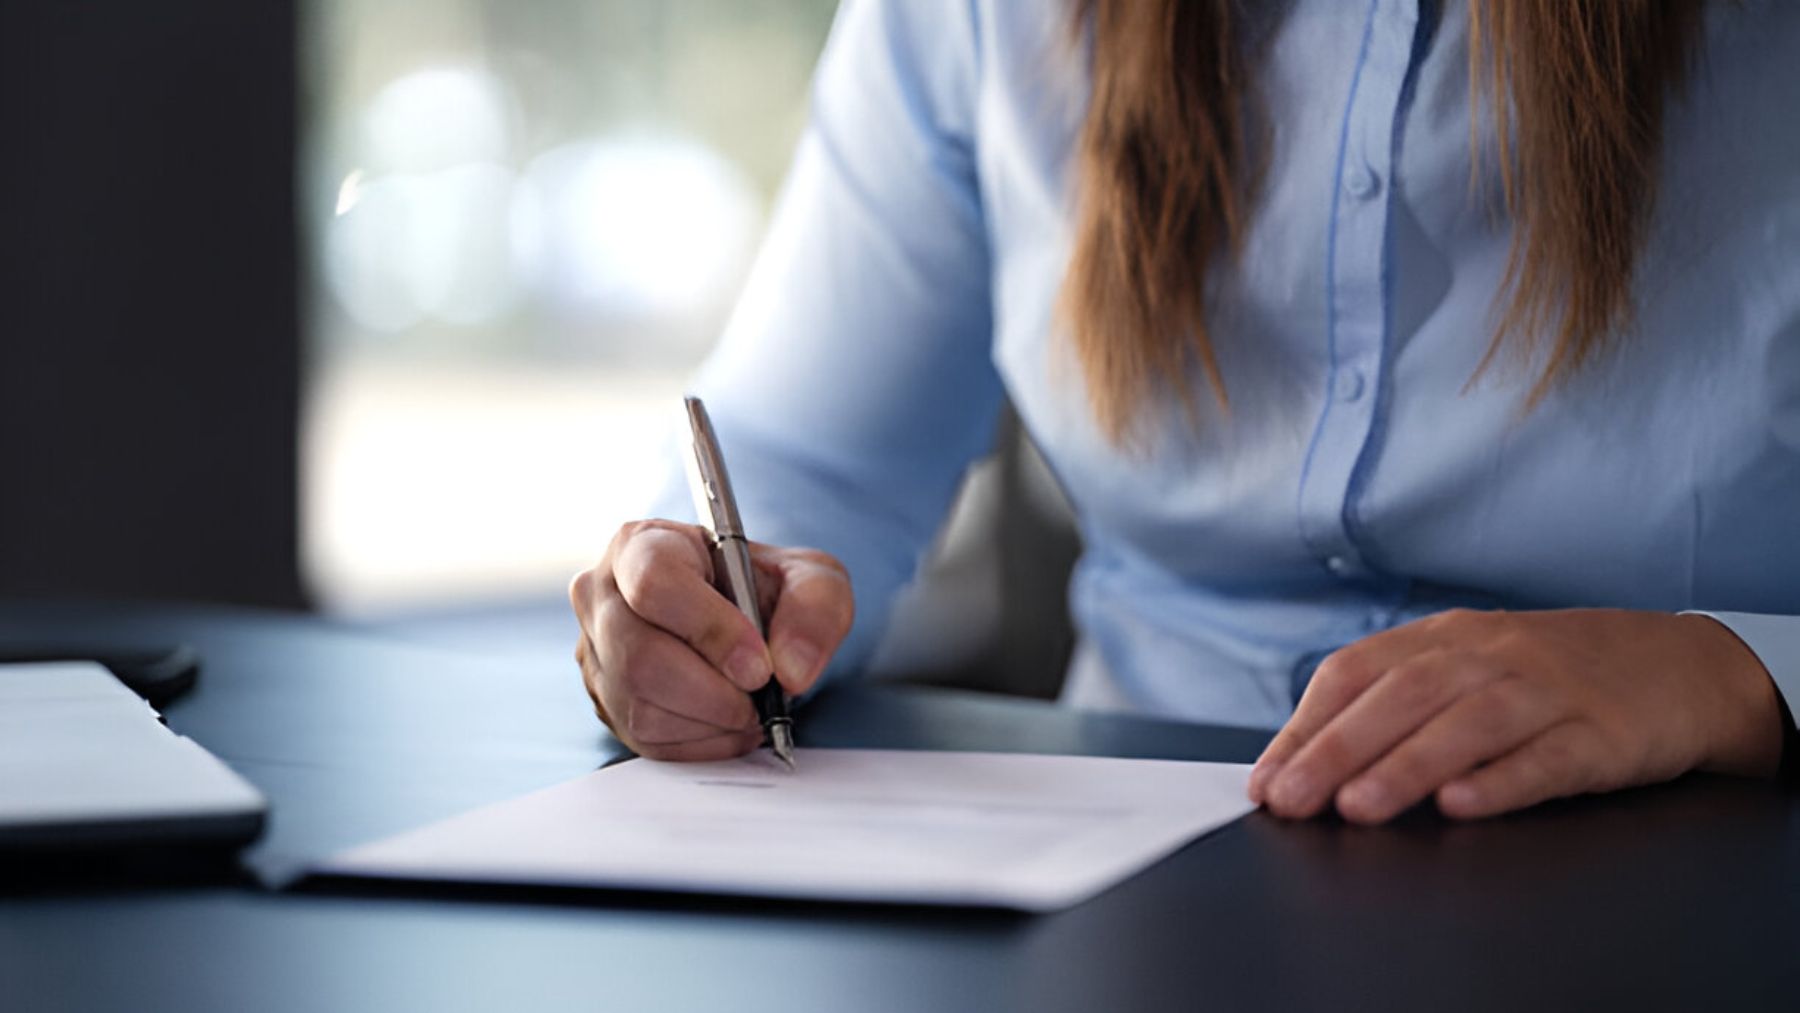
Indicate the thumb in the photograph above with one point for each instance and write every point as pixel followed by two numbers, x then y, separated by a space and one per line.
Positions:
pixel 814 607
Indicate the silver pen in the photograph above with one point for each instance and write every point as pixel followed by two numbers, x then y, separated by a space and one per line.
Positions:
pixel 733 573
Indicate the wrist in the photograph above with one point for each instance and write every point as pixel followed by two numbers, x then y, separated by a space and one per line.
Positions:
pixel 1748 731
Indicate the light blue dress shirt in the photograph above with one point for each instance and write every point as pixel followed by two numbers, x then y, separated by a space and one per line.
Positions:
pixel 1358 481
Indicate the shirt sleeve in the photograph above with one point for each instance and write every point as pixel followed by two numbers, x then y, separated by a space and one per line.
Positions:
pixel 1775 640
pixel 854 383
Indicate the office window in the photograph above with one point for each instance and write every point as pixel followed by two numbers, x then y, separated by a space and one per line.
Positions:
pixel 526 222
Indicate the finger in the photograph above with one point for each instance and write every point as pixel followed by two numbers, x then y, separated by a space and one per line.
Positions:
pixel 590 676
pixel 723 746
pixel 1567 759
pixel 648 724
pixel 1398 703
pixel 641 662
pixel 813 613
pixel 664 572
pixel 1339 679
pixel 1492 721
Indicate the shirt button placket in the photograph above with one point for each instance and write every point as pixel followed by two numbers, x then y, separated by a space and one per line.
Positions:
pixel 1355 295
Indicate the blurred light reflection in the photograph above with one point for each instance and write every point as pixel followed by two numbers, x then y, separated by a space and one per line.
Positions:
pixel 436 118
pixel 639 227
pixel 529 221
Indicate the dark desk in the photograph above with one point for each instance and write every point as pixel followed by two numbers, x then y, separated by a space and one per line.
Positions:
pixel 1680 897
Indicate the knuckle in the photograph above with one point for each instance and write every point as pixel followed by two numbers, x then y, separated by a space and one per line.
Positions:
pixel 589 589
pixel 1455 625
pixel 620 539
pixel 714 632
pixel 631 529
pixel 1409 771
pixel 1594 751
pixel 1413 695
pixel 1418 680
pixel 826 561
pixel 1416 770
pixel 1508 701
pixel 655 750
pixel 1539 767
pixel 616 625
pixel 1461 616
pixel 631 723
pixel 594 681
pixel 1510 639
pixel 717 641
pixel 637 673
pixel 643 724
pixel 1344 666
pixel 1285 743
pixel 615 714
pixel 1561 753
pixel 1330 751
pixel 649 588
pixel 1332 670
pixel 651 539
pixel 1565 763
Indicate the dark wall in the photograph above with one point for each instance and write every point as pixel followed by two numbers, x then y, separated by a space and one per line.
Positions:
pixel 149 343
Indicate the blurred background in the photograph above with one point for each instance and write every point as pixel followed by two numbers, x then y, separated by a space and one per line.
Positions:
pixel 369 306
pixel 526 222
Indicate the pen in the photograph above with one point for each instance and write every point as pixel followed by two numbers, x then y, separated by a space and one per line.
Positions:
pixel 733 574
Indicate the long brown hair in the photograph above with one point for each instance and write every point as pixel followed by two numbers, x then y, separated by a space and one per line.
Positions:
pixel 1168 158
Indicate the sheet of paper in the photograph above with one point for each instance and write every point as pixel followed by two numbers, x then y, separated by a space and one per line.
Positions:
pixel 1003 830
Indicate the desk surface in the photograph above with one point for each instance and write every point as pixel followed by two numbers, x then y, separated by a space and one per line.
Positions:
pixel 1680 897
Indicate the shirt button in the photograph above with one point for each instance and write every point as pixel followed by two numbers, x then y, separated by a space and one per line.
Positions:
pixel 1349 385
pixel 1361 182
pixel 1338 565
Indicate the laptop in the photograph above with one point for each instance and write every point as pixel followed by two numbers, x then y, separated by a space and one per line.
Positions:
pixel 86 764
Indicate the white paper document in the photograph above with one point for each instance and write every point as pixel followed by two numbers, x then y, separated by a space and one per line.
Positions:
pixel 1003 830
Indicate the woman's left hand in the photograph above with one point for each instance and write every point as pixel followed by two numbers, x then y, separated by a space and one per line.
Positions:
pixel 1495 711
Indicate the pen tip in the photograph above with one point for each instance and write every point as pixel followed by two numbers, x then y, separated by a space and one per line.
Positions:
pixel 781 743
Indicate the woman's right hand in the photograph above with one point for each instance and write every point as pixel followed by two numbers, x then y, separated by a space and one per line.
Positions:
pixel 670 663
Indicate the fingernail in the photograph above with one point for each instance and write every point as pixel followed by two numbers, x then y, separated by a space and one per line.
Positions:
pixel 747 667
pixel 795 661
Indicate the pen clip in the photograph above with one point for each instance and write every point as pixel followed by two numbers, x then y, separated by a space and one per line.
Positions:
pixel 707 478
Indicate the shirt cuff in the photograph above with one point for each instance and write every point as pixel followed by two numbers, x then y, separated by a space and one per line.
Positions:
pixel 1775 640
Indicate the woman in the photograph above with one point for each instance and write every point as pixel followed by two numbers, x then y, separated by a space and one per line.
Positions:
pixel 1455 344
